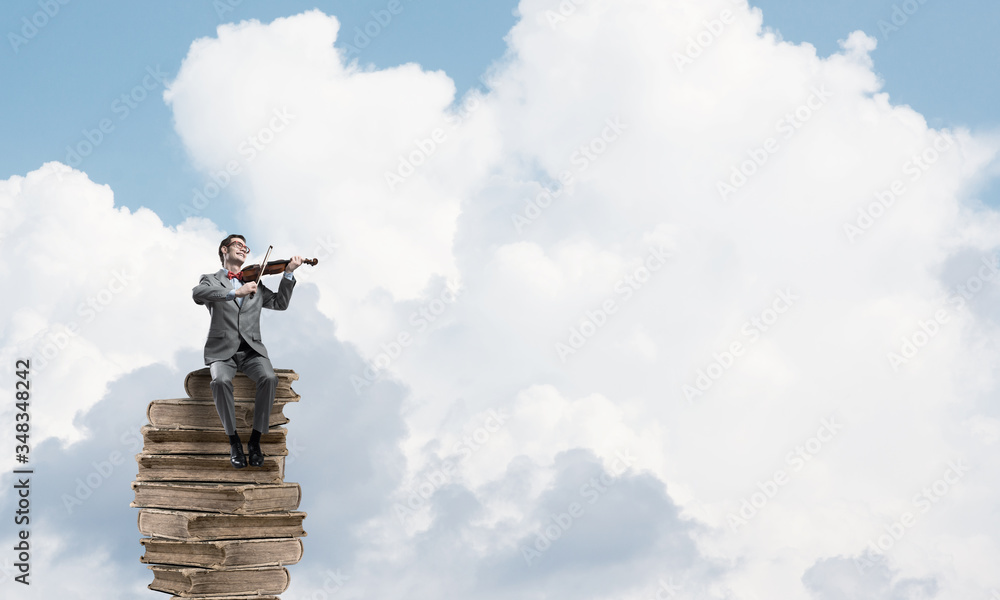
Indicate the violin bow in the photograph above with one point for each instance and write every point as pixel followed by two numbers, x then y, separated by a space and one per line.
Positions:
pixel 262 263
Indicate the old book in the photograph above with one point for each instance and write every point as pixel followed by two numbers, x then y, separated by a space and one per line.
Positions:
pixel 221 554
pixel 208 468
pixel 216 497
pixel 194 526
pixel 160 440
pixel 192 582
pixel 230 598
pixel 188 413
pixel 197 384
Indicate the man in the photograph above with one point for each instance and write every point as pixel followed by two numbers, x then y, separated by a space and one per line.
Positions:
pixel 234 341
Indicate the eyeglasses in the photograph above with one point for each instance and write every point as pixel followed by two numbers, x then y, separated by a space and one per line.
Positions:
pixel 240 246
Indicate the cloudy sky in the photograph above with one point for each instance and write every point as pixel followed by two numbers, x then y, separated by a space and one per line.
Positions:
pixel 616 299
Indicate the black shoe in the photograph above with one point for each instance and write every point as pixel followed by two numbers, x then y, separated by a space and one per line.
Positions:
pixel 256 456
pixel 236 456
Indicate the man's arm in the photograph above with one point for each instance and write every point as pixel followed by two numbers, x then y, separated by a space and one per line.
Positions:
pixel 279 300
pixel 206 291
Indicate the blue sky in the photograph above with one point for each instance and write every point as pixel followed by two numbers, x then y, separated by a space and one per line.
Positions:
pixel 942 61
pixel 66 78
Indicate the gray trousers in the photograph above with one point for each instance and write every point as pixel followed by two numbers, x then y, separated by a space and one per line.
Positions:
pixel 257 368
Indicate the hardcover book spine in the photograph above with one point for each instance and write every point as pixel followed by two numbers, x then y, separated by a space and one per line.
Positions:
pixel 235 528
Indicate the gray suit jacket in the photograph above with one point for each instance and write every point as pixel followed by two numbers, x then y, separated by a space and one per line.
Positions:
pixel 230 321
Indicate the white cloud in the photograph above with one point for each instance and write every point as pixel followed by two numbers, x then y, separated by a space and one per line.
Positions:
pixel 636 113
pixel 92 573
pixel 101 298
pixel 326 166
pixel 635 144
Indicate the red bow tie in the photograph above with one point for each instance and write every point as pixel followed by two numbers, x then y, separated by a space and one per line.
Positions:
pixel 232 275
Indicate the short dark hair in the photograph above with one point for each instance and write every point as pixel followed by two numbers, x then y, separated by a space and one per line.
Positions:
pixel 224 243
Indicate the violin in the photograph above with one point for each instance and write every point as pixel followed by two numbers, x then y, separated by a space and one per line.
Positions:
pixel 255 272
pixel 273 267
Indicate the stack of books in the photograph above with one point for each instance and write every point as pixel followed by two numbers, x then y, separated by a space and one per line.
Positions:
pixel 214 531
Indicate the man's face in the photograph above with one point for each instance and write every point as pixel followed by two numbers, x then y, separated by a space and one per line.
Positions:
pixel 238 250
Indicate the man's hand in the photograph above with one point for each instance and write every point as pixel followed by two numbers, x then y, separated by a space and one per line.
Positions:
pixel 246 289
pixel 294 263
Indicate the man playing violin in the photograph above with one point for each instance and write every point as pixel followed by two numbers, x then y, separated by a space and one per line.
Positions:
pixel 234 341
